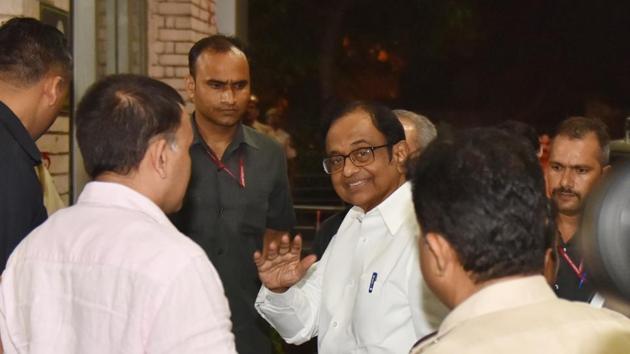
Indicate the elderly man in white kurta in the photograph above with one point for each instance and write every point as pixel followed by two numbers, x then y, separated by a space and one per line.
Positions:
pixel 366 295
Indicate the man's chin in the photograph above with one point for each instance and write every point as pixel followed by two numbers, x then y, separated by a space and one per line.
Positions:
pixel 571 209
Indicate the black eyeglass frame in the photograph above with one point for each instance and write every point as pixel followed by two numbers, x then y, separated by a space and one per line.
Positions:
pixel 353 160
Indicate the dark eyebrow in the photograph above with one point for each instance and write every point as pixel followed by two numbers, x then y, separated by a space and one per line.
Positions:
pixel 357 142
pixel 573 167
pixel 220 82
pixel 360 141
pixel 213 81
pixel 333 153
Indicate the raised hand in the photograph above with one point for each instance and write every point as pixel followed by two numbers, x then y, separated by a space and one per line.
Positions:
pixel 279 265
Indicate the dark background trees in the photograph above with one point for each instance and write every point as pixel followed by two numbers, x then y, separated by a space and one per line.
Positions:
pixel 461 62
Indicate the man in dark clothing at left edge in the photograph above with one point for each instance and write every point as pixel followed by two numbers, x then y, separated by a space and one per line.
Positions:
pixel 35 72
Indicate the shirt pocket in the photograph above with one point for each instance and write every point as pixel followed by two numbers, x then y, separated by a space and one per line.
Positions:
pixel 254 217
pixel 377 311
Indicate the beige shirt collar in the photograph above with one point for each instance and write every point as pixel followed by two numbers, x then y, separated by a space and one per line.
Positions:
pixel 496 297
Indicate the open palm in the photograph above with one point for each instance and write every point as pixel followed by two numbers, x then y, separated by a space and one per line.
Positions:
pixel 280 266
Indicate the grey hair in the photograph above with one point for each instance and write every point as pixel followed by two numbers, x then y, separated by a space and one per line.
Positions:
pixel 426 129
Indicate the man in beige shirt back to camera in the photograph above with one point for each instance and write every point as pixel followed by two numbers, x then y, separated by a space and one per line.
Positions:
pixel 480 201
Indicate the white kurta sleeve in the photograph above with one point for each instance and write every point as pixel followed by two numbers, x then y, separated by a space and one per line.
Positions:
pixel 295 313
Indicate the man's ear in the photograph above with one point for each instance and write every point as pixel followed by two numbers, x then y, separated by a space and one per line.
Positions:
pixel 190 87
pixel 605 170
pixel 400 153
pixel 54 90
pixel 157 153
pixel 441 253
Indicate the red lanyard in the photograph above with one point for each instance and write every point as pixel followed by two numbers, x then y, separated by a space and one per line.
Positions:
pixel 223 167
pixel 579 271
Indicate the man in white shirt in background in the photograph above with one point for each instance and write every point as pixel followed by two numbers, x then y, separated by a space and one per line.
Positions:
pixel 366 294
pixel 111 274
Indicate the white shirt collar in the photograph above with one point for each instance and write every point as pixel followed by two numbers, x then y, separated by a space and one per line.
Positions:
pixel 394 210
pixel 121 196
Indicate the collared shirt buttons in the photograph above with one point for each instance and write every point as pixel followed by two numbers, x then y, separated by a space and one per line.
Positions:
pixel 351 283
pixel 334 324
pixel 363 239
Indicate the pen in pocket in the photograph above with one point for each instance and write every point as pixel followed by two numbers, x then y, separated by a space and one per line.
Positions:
pixel 374 276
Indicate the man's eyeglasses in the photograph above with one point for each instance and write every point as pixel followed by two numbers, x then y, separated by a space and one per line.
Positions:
pixel 359 157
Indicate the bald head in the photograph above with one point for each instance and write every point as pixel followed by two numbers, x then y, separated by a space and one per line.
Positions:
pixel 419 131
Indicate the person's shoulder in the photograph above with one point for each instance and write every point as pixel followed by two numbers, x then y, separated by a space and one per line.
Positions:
pixel 8 146
pixel 581 324
pixel 563 317
pixel 584 312
pixel 522 329
pixel 160 251
pixel 148 243
pixel 166 239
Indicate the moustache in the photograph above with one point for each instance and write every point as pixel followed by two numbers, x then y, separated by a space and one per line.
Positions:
pixel 564 190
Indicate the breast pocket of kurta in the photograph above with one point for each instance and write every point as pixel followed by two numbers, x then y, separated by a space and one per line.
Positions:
pixel 379 302
pixel 369 304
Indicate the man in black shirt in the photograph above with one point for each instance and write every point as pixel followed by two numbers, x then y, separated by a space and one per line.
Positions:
pixel 35 72
pixel 239 191
pixel 578 159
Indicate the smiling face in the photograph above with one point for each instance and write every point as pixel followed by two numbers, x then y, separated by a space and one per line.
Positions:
pixel 365 186
pixel 220 89
pixel 574 169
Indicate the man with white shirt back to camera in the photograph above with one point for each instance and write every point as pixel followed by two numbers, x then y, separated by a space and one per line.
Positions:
pixel 111 274
pixel 366 294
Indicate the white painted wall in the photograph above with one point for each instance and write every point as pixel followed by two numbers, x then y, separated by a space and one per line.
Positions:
pixel 232 17
pixel 84 75
pixel 226 16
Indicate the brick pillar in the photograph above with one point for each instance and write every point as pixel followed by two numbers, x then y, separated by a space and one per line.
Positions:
pixel 56 144
pixel 173 27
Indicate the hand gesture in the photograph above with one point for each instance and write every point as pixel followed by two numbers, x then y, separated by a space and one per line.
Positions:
pixel 279 266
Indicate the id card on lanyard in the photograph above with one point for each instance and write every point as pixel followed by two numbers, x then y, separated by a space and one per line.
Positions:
pixel 578 270
pixel 222 167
